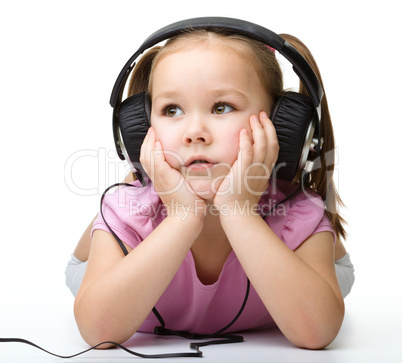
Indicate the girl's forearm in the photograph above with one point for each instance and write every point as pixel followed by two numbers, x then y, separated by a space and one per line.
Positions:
pixel 114 304
pixel 302 303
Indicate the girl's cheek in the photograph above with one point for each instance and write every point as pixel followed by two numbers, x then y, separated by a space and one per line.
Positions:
pixel 173 159
pixel 235 136
pixel 232 147
pixel 169 146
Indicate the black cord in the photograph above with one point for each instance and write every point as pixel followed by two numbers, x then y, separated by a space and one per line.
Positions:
pixel 165 355
pixel 304 180
pixel 121 244
pixel 162 330
pixel 218 337
pixel 222 338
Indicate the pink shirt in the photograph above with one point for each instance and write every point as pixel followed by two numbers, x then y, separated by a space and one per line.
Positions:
pixel 187 304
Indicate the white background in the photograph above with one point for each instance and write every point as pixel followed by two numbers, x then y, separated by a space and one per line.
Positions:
pixel 58 64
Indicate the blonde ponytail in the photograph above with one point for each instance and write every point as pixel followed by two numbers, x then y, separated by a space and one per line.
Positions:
pixel 322 179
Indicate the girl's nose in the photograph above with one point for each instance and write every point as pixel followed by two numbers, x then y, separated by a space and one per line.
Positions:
pixel 196 132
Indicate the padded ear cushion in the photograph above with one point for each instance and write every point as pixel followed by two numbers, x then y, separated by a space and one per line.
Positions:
pixel 134 122
pixel 292 115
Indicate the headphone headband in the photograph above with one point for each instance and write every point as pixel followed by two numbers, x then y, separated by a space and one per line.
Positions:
pixel 304 130
pixel 236 26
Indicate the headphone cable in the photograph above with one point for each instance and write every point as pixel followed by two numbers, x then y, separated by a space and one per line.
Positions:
pixel 218 337
pixel 162 330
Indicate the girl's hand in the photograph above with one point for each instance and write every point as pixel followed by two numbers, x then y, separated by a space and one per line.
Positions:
pixel 173 189
pixel 249 175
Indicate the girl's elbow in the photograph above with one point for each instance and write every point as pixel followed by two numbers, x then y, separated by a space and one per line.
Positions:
pixel 101 336
pixel 315 341
pixel 320 335
pixel 95 329
pixel 101 340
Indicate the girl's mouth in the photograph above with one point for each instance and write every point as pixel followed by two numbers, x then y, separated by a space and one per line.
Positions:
pixel 198 164
pixel 201 161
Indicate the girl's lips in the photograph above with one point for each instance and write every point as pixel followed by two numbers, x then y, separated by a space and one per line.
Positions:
pixel 199 166
pixel 198 160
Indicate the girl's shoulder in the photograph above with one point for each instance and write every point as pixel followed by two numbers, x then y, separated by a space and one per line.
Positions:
pixel 297 218
pixel 134 199
pixel 132 211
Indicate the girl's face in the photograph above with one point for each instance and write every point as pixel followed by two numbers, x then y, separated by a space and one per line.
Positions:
pixel 202 97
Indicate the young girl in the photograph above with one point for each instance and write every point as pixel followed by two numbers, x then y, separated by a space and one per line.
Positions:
pixel 195 232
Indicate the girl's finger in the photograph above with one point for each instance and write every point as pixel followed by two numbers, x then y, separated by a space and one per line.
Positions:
pixel 157 153
pixel 260 140
pixel 146 149
pixel 245 150
pixel 272 149
pixel 145 143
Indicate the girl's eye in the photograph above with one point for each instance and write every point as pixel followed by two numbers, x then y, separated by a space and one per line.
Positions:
pixel 172 111
pixel 221 108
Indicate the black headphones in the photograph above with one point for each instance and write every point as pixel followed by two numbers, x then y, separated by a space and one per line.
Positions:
pixel 296 117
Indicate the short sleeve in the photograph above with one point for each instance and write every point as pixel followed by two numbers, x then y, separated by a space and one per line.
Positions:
pixel 131 212
pixel 299 218
pixel 114 217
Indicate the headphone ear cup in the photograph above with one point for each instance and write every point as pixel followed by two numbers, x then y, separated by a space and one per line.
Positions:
pixel 292 117
pixel 134 122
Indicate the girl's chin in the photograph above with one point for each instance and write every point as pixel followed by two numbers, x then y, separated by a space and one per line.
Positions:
pixel 205 188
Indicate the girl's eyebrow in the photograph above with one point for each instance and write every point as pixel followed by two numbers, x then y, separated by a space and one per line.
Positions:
pixel 223 92
pixel 168 95
pixel 217 93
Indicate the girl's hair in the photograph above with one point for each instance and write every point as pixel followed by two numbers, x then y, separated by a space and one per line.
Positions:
pixel 321 180
pixel 269 71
